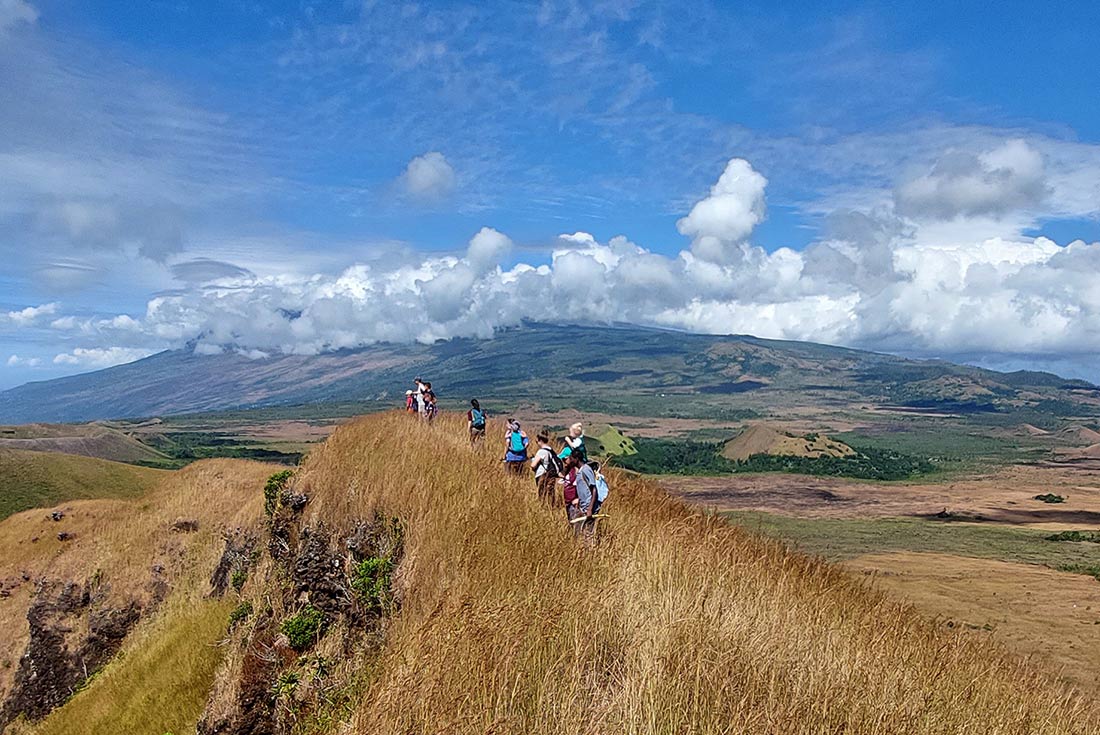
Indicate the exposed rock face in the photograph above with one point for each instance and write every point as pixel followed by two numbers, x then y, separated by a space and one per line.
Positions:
pixel 316 565
pixel 59 656
pixel 237 557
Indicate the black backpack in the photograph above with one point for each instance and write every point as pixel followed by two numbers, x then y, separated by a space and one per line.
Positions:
pixel 554 466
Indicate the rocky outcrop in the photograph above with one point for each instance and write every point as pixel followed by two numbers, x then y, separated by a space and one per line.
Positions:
pixel 319 575
pixel 73 633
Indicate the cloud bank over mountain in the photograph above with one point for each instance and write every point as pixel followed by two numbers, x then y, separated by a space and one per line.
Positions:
pixel 881 280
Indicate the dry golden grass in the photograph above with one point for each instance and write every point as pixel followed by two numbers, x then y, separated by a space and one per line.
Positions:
pixel 676 622
pixel 121 541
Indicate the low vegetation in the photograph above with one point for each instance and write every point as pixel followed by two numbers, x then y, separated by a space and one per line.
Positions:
pixel 304 627
pixel 182 447
pixel 1050 498
pixel 275 485
pixel 1078 536
pixel 686 457
pixel 371 581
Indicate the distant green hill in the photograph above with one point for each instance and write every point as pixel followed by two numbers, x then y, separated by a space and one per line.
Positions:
pixel 31 479
pixel 624 370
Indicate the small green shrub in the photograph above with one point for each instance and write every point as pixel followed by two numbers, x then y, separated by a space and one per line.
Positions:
pixel 238 578
pixel 303 628
pixel 371 582
pixel 1092 537
pixel 286 684
pixel 274 485
pixel 1050 498
pixel 240 613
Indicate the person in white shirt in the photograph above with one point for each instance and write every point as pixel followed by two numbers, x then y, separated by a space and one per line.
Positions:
pixel 547 468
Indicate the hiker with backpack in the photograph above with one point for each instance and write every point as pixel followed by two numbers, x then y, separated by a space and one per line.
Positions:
pixel 548 468
pixel 430 407
pixel 588 499
pixel 569 492
pixel 475 421
pixel 515 456
pixel 418 395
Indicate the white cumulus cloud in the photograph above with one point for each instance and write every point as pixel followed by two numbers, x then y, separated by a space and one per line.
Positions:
pixel 100 357
pixel 429 176
pixel 29 316
pixel 729 215
pixel 1006 179
pixel 877 281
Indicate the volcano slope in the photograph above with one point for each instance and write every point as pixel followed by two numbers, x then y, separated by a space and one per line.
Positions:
pixel 402 583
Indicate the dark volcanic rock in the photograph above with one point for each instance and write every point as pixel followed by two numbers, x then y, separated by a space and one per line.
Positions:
pixel 57 661
pixel 185 525
pixel 236 557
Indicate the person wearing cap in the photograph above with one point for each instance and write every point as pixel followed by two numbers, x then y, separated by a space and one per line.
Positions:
pixel 410 402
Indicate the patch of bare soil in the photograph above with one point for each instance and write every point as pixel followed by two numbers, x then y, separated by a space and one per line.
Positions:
pixel 1033 610
pixel 1004 497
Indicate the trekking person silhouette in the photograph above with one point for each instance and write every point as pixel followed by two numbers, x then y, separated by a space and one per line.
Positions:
pixel 475 421
pixel 574 443
pixel 430 407
pixel 516 441
pixel 588 504
pixel 548 468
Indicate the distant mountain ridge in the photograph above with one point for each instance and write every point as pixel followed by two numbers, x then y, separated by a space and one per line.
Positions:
pixel 623 368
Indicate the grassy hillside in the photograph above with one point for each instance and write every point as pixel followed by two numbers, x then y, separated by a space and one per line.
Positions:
pixel 87 440
pixel 125 578
pixel 42 479
pixel 403 584
pixel 497 620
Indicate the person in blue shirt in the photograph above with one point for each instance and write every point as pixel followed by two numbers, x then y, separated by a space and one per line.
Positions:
pixel 516 441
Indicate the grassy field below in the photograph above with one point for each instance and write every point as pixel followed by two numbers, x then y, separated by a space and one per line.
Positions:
pixel 42 479
pixel 157 684
pixel 838 539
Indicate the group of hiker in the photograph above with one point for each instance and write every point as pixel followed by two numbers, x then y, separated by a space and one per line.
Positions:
pixel 583 487
pixel 421 401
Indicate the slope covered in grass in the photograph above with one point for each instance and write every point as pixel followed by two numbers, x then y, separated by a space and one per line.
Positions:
pixel 676 622
pixel 88 440
pixel 31 479
pixel 121 585
pixel 158 685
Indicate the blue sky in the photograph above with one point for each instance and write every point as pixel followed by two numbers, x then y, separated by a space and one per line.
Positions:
pixel 923 180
